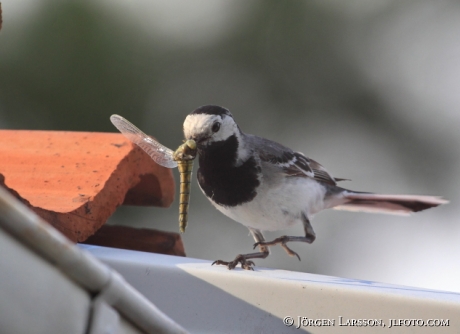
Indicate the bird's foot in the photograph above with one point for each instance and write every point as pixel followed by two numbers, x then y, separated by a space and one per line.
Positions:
pixel 245 264
pixel 282 242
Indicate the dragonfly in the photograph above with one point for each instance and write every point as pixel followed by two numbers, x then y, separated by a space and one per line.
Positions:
pixel 182 158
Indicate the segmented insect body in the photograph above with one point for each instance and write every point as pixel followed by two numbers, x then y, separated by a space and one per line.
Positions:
pixel 182 158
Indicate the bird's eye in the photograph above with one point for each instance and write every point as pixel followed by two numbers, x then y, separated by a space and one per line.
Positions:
pixel 215 127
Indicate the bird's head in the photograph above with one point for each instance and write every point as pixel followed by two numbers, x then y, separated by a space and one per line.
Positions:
pixel 210 124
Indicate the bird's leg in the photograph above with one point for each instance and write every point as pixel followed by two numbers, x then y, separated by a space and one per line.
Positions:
pixel 243 259
pixel 309 237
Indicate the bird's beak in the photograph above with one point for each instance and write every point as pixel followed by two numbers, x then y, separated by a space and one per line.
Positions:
pixel 200 139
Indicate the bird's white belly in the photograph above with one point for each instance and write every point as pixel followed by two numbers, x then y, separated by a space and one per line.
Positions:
pixel 278 206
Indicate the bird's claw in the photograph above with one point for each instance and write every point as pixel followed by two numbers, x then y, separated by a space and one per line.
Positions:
pixel 245 264
pixel 290 251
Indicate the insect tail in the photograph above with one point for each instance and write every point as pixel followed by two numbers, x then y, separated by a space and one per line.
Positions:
pixel 185 170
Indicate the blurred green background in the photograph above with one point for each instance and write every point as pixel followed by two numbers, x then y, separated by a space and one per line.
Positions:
pixel 369 88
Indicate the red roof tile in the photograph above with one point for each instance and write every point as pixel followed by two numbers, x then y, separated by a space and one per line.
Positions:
pixel 75 180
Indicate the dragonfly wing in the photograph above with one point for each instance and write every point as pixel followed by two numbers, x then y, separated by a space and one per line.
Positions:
pixel 159 153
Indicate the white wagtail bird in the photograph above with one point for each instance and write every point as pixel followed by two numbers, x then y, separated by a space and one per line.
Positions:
pixel 267 187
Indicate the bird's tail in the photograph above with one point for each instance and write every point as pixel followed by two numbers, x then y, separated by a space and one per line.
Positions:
pixel 392 204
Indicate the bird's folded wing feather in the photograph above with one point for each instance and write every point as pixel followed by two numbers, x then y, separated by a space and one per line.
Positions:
pixel 291 163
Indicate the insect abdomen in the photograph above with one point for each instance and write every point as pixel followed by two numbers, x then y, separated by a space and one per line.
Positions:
pixel 185 173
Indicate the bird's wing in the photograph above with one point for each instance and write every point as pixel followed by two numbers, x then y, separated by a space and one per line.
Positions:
pixel 291 163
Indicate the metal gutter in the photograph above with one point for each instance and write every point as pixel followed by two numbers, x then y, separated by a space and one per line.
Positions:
pixel 81 267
